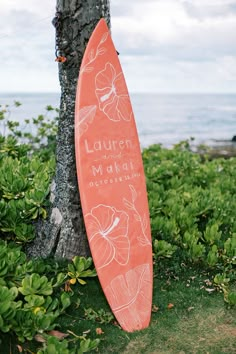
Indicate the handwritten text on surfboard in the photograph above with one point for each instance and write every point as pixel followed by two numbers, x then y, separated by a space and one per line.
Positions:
pixel 110 164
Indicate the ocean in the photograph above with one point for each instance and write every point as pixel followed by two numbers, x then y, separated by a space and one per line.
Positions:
pixel 160 118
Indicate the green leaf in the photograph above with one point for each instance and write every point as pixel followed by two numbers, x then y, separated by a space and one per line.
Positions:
pixel 79 263
pixel 36 284
pixel 60 279
pixel 232 298
pixel 65 300
pixel 34 300
pixel 71 268
pixel 87 345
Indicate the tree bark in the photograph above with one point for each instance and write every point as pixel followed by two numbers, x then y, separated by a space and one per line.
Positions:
pixel 63 234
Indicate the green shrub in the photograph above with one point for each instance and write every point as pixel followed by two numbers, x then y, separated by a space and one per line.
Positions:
pixel 33 295
pixel 27 164
pixel 192 202
pixel 27 307
pixel 192 206
pixel 24 187
pixel 35 136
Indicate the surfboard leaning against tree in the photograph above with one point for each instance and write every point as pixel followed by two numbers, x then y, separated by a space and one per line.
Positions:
pixel 112 183
pixel 63 233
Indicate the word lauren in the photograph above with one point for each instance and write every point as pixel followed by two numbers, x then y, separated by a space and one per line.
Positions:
pixel 107 145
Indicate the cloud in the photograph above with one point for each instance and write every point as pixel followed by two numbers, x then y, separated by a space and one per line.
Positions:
pixel 169 45
pixel 39 7
pixel 28 39
pixel 148 74
pixel 180 45
pixel 209 9
pixel 169 28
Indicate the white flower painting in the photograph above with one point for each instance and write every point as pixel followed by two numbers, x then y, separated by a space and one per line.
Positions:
pixel 107 230
pixel 112 94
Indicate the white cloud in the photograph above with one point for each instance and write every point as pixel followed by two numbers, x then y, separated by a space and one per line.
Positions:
pixel 28 38
pixel 147 74
pixel 178 45
pixel 164 45
pixel 168 23
pixel 42 6
pixel 155 20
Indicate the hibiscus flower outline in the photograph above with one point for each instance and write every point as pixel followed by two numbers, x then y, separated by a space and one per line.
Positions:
pixel 112 95
pixel 107 230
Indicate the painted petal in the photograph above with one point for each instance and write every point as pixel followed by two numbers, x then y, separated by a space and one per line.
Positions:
pixel 129 299
pixel 104 215
pixel 111 110
pixel 120 85
pixel 124 107
pixel 122 249
pixel 92 226
pixel 105 97
pixel 105 77
pixel 120 219
pixel 105 252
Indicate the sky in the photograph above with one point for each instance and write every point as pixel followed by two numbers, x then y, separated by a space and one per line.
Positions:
pixel 165 46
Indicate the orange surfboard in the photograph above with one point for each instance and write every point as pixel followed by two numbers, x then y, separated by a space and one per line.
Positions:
pixel 112 183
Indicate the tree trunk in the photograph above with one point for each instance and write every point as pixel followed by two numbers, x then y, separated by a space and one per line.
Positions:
pixel 63 234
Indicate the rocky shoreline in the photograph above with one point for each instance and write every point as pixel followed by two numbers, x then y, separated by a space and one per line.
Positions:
pixel 225 149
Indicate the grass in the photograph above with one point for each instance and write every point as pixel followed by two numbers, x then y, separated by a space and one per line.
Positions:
pixel 199 321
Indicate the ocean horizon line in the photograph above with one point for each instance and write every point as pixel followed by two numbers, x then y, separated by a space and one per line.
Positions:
pixel 11 93
pixel 165 118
